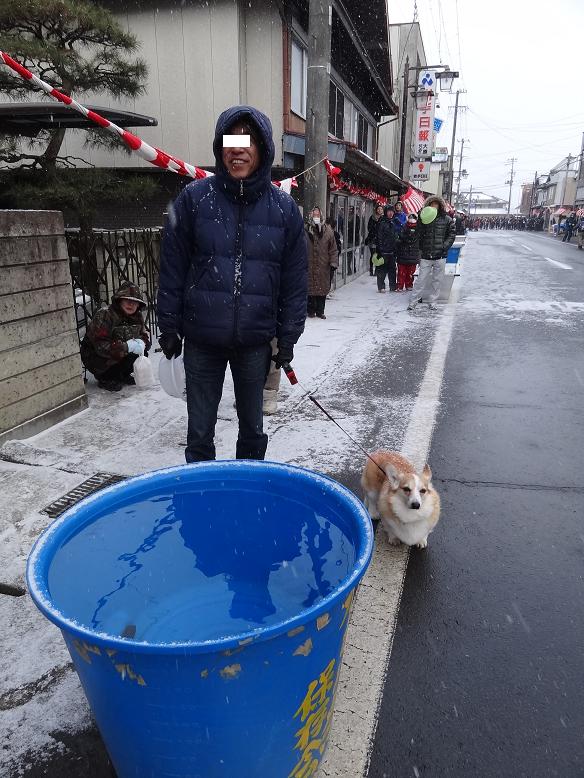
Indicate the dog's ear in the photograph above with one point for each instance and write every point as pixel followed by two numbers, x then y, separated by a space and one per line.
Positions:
pixel 392 475
pixel 426 472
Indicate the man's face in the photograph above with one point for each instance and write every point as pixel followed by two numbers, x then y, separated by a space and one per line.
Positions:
pixel 379 210
pixel 398 207
pixel 241 161
pixel 434 204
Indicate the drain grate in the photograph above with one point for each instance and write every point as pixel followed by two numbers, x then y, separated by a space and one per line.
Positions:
pixel 93 484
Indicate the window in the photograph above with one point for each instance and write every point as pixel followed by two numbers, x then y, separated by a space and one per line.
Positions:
pixel 336 111
pixel 364 135
pixel 298 75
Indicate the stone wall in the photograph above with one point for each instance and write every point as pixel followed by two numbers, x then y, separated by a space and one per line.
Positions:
pixel 40 368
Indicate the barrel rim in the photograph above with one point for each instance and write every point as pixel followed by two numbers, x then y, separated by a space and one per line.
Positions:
pixel 37 584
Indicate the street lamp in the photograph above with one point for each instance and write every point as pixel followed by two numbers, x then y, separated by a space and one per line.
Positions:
pixel 446 78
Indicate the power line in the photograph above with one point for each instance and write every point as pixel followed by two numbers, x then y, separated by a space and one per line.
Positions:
pixel 438 40
pixel 507 137
pixel 560 119
pixel 461 69
pixel 515 148
pixel 441 17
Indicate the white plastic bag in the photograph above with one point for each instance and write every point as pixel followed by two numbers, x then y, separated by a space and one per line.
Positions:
pixel 171 373
pixel 143 375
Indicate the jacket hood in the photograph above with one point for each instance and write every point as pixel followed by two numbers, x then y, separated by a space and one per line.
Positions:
pixel 436 198
pixel 258 181
pixel 129 291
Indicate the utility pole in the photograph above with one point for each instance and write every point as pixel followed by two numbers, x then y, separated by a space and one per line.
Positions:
pixel 462 142
pixel 317 103
pixel 532 199
pixel 470 202
pixel 512 162
pixel 561 203
pixel 404 118
pixel 451 165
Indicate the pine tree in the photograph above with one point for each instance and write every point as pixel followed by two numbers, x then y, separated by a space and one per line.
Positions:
pixel 79 48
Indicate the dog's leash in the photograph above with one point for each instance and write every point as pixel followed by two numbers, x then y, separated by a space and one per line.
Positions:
pixel 291 376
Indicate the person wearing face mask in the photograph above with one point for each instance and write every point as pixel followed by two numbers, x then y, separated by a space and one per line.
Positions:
pixel 408 254
pixel 322 256
pixel 437 232
pixel 233 276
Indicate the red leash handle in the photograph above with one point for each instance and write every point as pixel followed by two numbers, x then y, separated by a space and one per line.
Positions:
pixel 290 374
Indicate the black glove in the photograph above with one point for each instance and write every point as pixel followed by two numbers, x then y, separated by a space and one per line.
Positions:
pixel 284 356
pixel 171 344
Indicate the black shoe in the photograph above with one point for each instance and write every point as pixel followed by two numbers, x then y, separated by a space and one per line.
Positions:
pixel 321 316
pixel 311 315
pixel 110 386
pixel 129 380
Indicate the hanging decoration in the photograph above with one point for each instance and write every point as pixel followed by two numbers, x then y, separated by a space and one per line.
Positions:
pixel 151 154
pixel 336 184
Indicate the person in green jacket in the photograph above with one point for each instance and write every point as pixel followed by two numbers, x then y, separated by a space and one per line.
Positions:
pixel 437 232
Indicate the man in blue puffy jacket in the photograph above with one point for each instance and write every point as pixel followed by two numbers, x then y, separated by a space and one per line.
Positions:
pixel 233 275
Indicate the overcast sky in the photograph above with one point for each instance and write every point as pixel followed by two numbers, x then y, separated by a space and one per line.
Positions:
pixel 521 64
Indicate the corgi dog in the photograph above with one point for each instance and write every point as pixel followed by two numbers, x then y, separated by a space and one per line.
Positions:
pixel 404 500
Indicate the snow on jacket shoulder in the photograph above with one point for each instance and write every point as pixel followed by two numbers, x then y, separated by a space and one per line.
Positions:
pixel 233 267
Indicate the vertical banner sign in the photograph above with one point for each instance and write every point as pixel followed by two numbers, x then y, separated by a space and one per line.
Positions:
pixel 424 125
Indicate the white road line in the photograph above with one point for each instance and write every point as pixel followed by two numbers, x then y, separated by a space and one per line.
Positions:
pixel 559 264
pixel 526 247
pixel 371 630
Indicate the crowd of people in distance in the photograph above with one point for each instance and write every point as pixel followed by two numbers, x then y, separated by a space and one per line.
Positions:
pixel 531 223
pixel 566 227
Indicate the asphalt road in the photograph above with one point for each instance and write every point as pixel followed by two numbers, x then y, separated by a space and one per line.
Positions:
pixel 485 674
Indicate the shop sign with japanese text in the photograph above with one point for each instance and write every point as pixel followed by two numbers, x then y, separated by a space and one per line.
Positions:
pixel 424 133
pixel 420 171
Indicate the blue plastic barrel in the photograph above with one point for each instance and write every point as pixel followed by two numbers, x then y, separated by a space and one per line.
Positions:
pixel 204 607
pixel 453 255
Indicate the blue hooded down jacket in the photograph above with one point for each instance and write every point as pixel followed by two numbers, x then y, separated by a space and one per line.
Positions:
pixel 233 267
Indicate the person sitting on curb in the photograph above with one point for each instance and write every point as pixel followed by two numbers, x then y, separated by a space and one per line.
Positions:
pixel 437 233
pixel 115 338
pixel 322 256
pixel 387 240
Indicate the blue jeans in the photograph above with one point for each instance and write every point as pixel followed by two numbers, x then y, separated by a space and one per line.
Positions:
pixel 205 373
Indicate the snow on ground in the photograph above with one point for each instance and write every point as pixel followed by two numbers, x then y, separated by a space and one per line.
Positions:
pixel 136 431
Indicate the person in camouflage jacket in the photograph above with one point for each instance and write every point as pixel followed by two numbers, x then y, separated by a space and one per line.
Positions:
pixel 115 338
